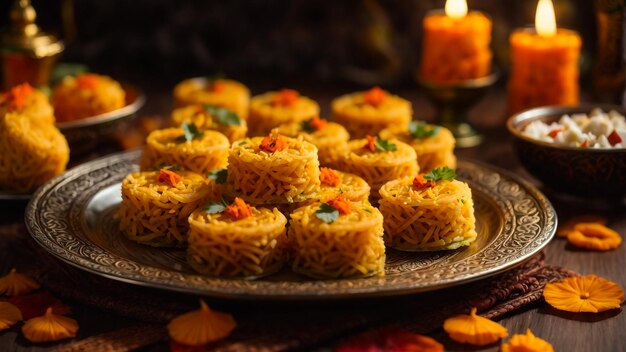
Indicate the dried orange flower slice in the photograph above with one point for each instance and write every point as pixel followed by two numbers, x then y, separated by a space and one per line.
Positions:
pixel 201 327
pixel 50 327
pixel 9 315
pixel 474 329
pixel 568 226
pixel 526 343
pixel 594 236
pixel 14 284
pixel 584 294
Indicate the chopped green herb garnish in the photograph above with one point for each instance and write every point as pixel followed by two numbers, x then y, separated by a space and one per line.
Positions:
pixel 462 201
pixel 215 207
pixel 190 131
pixel 367 210
pixel 420 130
pixel 242 142
pixel 327 213
pixel 384 145
pixel 219 175
pixel 223 115
pixel 306 126
pixel 441 174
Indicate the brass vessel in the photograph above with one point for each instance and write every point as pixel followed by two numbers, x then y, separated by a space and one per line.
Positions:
pixel 28 54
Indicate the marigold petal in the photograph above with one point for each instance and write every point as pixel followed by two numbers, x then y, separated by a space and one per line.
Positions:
pixel 201 327
pixel 474 329
pixel 14 284
pixel 9 315
pixel 584 294
pixel 526 343
pixel 49 327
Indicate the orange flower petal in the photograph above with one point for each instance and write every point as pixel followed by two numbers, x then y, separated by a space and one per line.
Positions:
pixel 9 315
pixel 474 329
pixel 374 96
pixel 594 236
pixel 329 177
pixel 584 294
pixel 50 327
pixel 201 327
pixel 238 209
pixel 568 225
pixel 526 343
pixel 14 284
pixel 341 204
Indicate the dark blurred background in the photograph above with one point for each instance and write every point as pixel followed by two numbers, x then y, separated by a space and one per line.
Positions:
pixel 360 41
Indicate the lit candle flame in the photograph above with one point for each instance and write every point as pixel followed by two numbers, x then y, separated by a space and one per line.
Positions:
pixel 456 8
pixel 545 21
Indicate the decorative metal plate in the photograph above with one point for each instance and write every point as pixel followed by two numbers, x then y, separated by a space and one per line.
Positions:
pixel 73 217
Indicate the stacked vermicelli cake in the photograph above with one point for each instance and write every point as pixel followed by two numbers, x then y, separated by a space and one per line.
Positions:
pixel 337 239
pixel 211 117
pixel 236 240
pixel 269 110
pixel 428 212
pixel 216 91
pixel 434 145
pixel 186 147
pixel 156 205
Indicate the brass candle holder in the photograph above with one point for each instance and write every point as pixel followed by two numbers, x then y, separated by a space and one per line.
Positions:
pixel 27 53
pixel 454 101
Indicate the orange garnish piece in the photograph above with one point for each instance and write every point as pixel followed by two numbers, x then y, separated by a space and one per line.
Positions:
pixel 169 177
pixel 594 236
pixel 374 96
pixel 285 97
pixel 474 329
pixel 614 138
pixel 318 123
pixel 216 86
pixel 585 144
pixel 18 95
pixel 553 133
pixel 420 182
pixel 201 327
pixel 329 177
pixel 584 294
pixel 341 204
pixel 370 145
pixel 49 327
pixel 9 315
pixel 526 343
pixel 238 210
pixel 272 143
pixel 88 81
pixel 568 226
pixel 14 284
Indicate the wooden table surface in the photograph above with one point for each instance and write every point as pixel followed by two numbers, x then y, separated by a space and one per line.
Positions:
pixel 566 332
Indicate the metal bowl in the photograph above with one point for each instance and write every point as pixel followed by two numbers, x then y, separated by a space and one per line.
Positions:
pixel 576 171
pixel 85 134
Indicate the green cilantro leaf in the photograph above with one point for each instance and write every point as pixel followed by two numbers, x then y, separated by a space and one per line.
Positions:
pixel 367 210
pixel 441 174
pixel 215 207
pixel 219 175
pixel 420 130
pixel 384 145
pixel 306 126
pixel 327 213
pixel 242 142
pixel 223 115
pixel 190 131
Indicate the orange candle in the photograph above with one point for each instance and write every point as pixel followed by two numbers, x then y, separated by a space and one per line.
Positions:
pixel 544 63
pixel 456 45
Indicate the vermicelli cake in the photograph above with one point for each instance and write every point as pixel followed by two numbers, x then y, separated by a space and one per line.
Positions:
pixel 272 109
pixel 156 205
pixel 273 169
pixel 194 150
pixel 86 95
pixel 369 112
pixel 337 239
pixel 28 102
pixel 212 117
pixel 434 145
pixel 222 92
pixel 246 242
pixel 425 215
